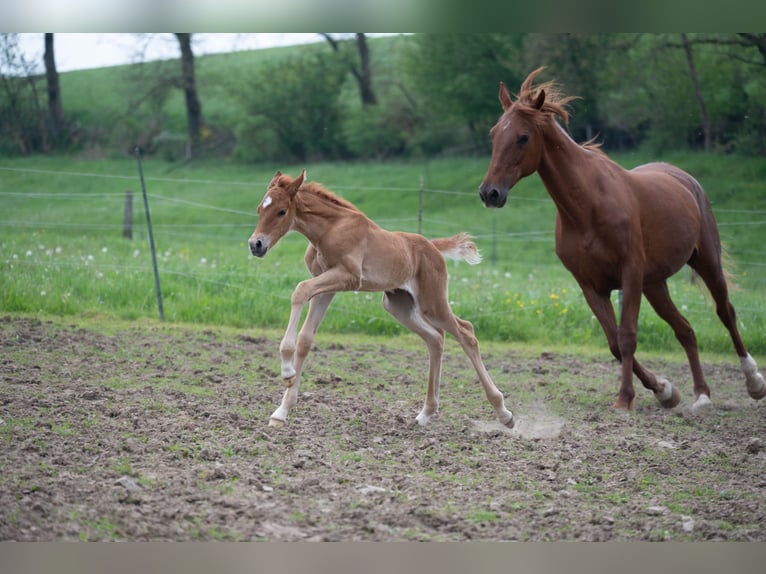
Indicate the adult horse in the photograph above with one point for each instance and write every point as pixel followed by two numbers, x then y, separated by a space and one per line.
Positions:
pixel 616 229
pixel 347 251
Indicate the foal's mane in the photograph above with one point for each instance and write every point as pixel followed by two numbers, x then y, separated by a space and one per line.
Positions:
pixel 555 103
pixel 320 191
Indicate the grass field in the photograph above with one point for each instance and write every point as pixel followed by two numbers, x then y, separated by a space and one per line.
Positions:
pixel 62 250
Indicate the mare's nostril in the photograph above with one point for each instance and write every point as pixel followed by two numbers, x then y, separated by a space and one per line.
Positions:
pixel 494 196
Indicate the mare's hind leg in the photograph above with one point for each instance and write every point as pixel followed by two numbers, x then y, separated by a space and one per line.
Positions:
pixel 440 314
pixel 659 298
pixel 317 309
pixel 713 276
pixel 401 306
pixel 604 311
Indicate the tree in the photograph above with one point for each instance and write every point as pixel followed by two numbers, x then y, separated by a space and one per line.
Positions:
pixel 293 110
pixel 455 78
pixel 55 106
pixel 22 121
pixel 188 84
pixel 363 72
pixel 706 129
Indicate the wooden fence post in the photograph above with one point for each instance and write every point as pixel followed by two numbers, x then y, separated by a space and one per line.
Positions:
pixel 127 227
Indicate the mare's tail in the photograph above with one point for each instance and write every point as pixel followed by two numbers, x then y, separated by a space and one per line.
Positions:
pixel 458 247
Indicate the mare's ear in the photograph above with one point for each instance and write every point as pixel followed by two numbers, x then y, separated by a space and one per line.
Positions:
pixel 505 97
pixel 540 100
pixel 292 189
pixel 275 179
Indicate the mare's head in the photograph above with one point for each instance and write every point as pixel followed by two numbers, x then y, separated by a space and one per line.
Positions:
pixel 275 213
pixel 517 137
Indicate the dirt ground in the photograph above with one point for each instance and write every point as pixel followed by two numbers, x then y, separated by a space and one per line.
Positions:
pixel 155 432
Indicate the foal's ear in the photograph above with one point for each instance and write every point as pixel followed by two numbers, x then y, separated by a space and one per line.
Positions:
pixel 540 100
pixel 505 97
pixel 275 179
pixel 292 189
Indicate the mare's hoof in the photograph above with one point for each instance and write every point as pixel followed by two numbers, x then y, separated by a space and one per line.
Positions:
pixel 276 423
pixel 673 401
pixel 757 393
pixel 702 403
pixel 623 405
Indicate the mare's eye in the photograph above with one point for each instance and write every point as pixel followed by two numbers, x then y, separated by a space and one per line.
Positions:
pixel 522 139
pixel 282 212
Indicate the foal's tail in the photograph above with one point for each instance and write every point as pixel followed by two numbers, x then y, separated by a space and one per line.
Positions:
pixel 458 247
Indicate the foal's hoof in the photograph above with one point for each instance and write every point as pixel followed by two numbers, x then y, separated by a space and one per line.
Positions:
pixel 289 381
pixel 508 420
pixel 276 423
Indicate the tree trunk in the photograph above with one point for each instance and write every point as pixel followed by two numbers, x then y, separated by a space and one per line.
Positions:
pixel 362 74
pixel 193 107
pixel 55 107
pixel 706 129
pixel 364 77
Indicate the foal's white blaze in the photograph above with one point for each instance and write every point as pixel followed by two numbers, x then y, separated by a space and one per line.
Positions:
pixel 266 202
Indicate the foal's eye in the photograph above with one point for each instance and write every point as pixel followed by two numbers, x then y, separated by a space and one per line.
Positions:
pixel 282 212
pixel 522 139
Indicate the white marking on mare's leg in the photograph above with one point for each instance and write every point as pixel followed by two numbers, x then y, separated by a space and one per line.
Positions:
pixel 756 387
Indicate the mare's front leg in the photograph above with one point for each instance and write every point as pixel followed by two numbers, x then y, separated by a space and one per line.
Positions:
pixel 317 309
pixel 602 308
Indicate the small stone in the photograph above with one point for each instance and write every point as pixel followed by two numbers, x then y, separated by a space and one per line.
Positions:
pixel 666 444
pixel 687 524
pixel 368 489
pixel 129 484
pixel 656 510
pixel 754 446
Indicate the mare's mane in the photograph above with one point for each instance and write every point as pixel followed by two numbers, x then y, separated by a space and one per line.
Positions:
pixel 555 104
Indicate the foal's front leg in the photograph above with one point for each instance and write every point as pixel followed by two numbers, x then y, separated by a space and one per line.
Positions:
pixel 317 309
pixel 322 288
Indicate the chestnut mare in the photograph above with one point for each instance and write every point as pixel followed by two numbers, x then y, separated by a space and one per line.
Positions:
pixel 348 252
pixel 616 229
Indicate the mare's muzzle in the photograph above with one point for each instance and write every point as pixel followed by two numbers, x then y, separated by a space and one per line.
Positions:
pixel 492 195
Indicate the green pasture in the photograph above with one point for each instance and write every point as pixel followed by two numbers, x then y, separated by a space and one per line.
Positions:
pixel 62 251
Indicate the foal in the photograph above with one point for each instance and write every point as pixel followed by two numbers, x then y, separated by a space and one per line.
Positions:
pixel 617 229
pixel 348 252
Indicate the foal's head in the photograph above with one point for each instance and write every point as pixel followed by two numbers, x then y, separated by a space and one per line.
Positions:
pixel 517 137
pixel 275 213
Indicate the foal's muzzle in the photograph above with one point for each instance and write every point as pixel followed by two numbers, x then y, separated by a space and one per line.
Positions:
pixel 259 247
pixel 492 196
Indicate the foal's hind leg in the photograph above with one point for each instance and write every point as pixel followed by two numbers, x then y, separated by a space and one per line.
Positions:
pixel 440 314
pixel 712 274
pixel 401 306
